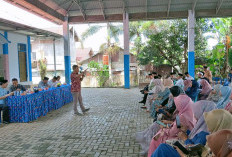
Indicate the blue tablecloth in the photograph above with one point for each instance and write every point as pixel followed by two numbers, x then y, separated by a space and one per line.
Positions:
pixel 30 107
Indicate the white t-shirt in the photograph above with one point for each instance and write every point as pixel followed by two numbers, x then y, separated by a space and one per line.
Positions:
pixel 52 84
pixel 199 81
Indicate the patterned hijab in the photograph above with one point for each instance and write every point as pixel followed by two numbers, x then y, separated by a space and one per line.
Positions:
pixel 225 99
pixel 158 85
pixel 157 82
pixel 206 87
pixel 220 143
pixel 168 83
pixel 217 120
pixel 198 109
pixel 215 97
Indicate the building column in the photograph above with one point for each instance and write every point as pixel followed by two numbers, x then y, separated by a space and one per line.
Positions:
pixel 67 59
pixel 54 51
pixel 191 49
pixel 126 50
pixel 6 58
pixel 29 57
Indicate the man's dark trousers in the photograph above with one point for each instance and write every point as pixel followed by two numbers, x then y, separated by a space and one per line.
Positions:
pixel 6 113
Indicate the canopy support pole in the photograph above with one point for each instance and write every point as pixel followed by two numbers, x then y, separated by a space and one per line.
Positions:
pixel 126 50
pixel 191 48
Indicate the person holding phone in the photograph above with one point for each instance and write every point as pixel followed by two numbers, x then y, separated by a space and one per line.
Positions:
pixel 3 96
pixel 76 79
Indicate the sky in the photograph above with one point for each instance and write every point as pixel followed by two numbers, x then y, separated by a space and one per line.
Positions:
pixel 13 13
pixel 94 41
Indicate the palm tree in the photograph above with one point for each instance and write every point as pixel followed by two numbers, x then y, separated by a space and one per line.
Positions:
pixel 108 48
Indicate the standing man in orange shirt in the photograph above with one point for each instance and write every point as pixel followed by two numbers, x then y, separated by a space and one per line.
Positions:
pixel 76 79
pixel 208 74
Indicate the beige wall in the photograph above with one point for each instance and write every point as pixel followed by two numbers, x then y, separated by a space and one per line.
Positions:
pixel 118 80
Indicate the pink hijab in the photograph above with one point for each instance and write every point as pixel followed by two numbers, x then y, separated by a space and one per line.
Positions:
pixel 187 84
pixel 206 87
pixel 184 106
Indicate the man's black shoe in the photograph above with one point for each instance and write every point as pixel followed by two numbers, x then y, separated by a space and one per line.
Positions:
pixel 142 102
pixel 144 107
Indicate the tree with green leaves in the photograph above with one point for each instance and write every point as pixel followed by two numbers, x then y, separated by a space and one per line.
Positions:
pixel 222 28
pixel 100 71
pixel 168 43
pixel 42 68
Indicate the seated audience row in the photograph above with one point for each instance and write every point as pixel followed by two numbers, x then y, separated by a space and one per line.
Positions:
pixel 192 113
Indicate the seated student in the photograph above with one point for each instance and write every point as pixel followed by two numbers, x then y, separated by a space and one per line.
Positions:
pixel 3 95
pixel 16 86
pixel 201 76
pixel 208 74
pixel 44 83
pixel 229 105
pixel 168 106
pixel 206 89
pixel 188 77
pixel 192 91
pixel 230 76
pixel 216 120
pixel 215 93
pixel 52 82
pixel 161 96
pixel 220 143
pixel 187 85
pixel 157 101
pixel 180 81
pixel 225 97
pixel 58 79
pixel 173 77
pixel 147 88
pixel 158 87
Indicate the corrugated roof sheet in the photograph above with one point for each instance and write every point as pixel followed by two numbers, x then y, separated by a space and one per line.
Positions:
pixel 91 10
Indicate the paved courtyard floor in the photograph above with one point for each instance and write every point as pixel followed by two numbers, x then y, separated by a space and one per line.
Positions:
pixel 106 131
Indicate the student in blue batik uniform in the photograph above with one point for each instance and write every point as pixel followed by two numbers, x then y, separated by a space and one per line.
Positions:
pixel 3 96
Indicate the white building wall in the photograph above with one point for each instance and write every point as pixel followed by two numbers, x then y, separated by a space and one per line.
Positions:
pixel 1 49
pixel 16 39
